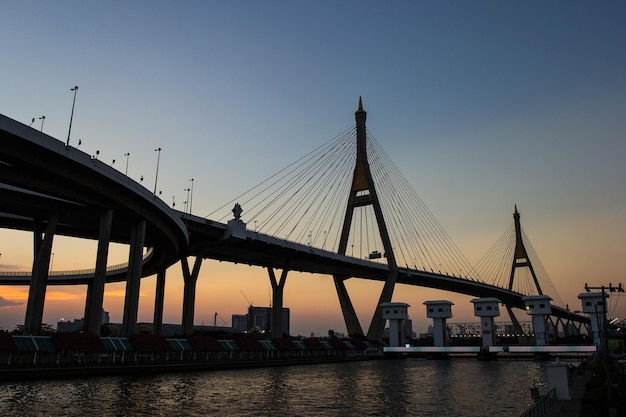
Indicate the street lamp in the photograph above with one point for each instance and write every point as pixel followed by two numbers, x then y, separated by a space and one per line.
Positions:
pixel 156 177
pixel 191 196
pixel 187 205
pixel 75 89
pixel 127 154
pixel 42 118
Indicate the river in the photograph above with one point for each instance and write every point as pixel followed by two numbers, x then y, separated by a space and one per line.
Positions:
pixel 401 387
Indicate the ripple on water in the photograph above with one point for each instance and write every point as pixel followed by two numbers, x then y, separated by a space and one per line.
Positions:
pixel 409 387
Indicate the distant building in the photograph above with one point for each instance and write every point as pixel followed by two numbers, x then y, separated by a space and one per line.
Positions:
pixel 260 319
pixel 240 322
pixel 79 324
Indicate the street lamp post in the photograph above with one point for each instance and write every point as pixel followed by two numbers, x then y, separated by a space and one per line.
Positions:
pixel 42 118
pixel 191 196
pixel 75 89
pixel 187 205
pixel 156 177
pixel 127 154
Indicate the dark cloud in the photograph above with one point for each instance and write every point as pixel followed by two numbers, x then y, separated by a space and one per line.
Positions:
pixel 8 303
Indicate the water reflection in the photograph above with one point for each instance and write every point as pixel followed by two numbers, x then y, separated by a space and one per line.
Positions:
pixel 410 387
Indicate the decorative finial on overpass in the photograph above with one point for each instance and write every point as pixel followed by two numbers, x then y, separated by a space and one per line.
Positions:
pixel 237 210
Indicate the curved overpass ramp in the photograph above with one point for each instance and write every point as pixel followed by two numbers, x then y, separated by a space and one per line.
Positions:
pixel 39 174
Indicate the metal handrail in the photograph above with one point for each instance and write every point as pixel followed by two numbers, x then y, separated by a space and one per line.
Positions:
pixel 542 405
pixel 109 268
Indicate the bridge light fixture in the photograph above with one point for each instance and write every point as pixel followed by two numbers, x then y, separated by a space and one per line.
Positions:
pixel 156 176
pixel 191 195
pixel 69 132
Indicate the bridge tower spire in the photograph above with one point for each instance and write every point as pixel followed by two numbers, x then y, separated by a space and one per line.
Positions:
pixel 520 256
pixel 363 193
pixel 520 260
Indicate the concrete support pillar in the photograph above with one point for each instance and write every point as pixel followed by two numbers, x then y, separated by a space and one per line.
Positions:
pixel 594 304
pixel 487 308
pixel 439 311
pixel 349 314
pixel 95 289
pixel 557 375
pixel 133 278
pixel 39 278
pixel 397 314
pixel 277 301
pixel 538 306
pixel 157 322
pixel 377 325
pixel 189 292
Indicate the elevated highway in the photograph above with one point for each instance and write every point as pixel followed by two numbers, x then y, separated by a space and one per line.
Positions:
pixel 39 175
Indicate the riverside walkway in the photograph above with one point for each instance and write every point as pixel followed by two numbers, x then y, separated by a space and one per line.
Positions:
pixel 573 406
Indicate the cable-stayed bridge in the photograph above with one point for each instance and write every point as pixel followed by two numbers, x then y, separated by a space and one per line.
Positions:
pixel 343 210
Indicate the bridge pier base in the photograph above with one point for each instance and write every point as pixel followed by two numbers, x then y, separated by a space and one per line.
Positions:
pixel 189 293
pixel 349 315
pixel 95 289
pixel 133 278
pixel 38 283
pixel 277 301
pixel 377 326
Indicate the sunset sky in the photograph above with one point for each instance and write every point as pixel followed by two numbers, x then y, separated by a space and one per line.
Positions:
pixel 481 105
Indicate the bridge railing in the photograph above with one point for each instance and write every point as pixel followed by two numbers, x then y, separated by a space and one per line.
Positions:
pixel 542 405
pixel 89 271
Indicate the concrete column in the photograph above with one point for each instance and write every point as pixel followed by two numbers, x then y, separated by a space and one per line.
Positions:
pixel 189 293
pixel 487 308
pixel 594 304
pixel 538 306
pixel 159 298
pixel 397 314
pixel 277 301
pixel 95 290
pixel 133 278
pixel 556 373
pixel 39 278
pixel 439 311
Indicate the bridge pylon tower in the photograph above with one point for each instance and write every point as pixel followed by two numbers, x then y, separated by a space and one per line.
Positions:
pixel 520 256
pixel 520 260
pixel 363 193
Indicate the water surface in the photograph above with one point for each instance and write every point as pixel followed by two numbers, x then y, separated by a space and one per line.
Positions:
pixel 403 387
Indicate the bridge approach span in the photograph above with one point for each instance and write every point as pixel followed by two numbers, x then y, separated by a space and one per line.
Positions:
pixel 208 239
pixel 40 174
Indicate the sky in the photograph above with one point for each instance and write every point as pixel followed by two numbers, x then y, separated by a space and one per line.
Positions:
pixel 481 105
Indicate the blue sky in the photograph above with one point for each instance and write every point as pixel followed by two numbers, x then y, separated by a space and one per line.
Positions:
pixel 482 105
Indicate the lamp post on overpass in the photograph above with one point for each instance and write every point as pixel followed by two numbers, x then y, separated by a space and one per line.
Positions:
pixel 190 195
pixel 187 201
pixel 156 177
pixel 75 89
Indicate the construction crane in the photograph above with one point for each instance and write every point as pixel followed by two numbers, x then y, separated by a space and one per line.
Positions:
pixel 244 296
